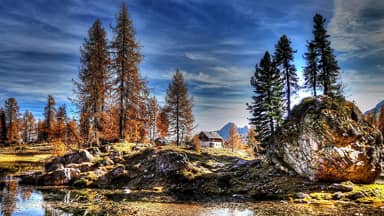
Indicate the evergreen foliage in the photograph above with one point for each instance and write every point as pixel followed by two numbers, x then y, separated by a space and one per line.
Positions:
pixel 311 72
pixel 266 106
pixel 284 56
pixel 329 69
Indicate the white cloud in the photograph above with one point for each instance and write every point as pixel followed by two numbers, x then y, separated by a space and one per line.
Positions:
pixel 195 56
pixel 354 28
pixel 364 88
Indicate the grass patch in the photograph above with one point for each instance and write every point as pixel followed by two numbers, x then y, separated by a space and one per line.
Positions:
pixel 124 147
pixel 227 153
pixel 31 158
pixel 369 193
pixel 374 193
pixel 321 196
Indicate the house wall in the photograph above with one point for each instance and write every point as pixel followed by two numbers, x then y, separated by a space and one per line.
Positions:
pixel 212 144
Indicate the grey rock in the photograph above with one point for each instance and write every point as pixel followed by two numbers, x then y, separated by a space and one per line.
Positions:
pixel 171 163
pixel 301 195
pixel 357 195
pixel 341 187
pixel 338 195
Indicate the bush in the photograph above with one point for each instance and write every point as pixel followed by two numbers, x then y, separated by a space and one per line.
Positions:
pixel 58 148
pixel 196 143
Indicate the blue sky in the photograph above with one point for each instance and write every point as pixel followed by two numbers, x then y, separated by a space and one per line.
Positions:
pixel 215 43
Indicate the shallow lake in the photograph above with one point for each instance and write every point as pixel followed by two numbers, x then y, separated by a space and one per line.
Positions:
pixel 35 201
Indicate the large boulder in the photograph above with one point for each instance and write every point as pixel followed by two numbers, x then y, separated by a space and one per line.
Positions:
pixel 168 163
pixel 328 140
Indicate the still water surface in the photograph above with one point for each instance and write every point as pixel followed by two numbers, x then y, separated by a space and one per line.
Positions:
pixel 32 201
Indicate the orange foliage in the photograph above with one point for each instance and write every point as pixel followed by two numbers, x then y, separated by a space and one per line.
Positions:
pixel 380 123
pixel 196 143
pixel 59 148
pixel 109 125
pixel 234 140
pixel 162 123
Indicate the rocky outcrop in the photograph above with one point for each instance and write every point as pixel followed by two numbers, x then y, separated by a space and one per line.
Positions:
pixel 105 169
pixel 72 158
pixel 111 175
pixel 59 177
pixel 171 163
pixel 329 140
pixel 64 170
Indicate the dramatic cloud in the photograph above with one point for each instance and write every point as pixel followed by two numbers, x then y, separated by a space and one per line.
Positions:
pixel 357 33
pixel 357 27
pixel 216 45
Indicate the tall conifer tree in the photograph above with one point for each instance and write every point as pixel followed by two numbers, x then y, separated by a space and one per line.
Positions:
pixel 266 105
pixel 3 125
pixel 94 81
pixel 126 58
pixel 329 69
pixel 179 107
pixel 311 75
pixel 12 116
pixel 62 120
pixel 284 61
pixel 28 126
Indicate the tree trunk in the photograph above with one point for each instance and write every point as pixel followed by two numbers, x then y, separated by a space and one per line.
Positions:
pixel 288 94
pixel 325 74
pixel 314 84
pixel 177 121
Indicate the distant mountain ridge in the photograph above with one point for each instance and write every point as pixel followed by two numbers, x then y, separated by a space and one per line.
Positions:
pixel 224 131
pixel 377 108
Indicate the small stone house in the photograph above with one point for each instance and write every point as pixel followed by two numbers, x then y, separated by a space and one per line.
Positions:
pixel 211 139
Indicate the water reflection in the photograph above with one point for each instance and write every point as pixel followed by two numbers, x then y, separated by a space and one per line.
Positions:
pixel 24 200
pixel 19 200
pixel 228 211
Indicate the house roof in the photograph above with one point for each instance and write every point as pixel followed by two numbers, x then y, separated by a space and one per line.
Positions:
pixel 212 135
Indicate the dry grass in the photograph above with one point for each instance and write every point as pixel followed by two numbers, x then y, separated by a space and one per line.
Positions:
pixel 124 147
pixel 31 158
pixel 227 152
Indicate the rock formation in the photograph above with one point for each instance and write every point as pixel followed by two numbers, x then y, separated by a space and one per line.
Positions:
pixel 328 140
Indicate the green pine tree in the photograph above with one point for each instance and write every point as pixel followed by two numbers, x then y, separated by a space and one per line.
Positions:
pixel 329 69
pixel 284 61
pixel 311 69
pixel 266 105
